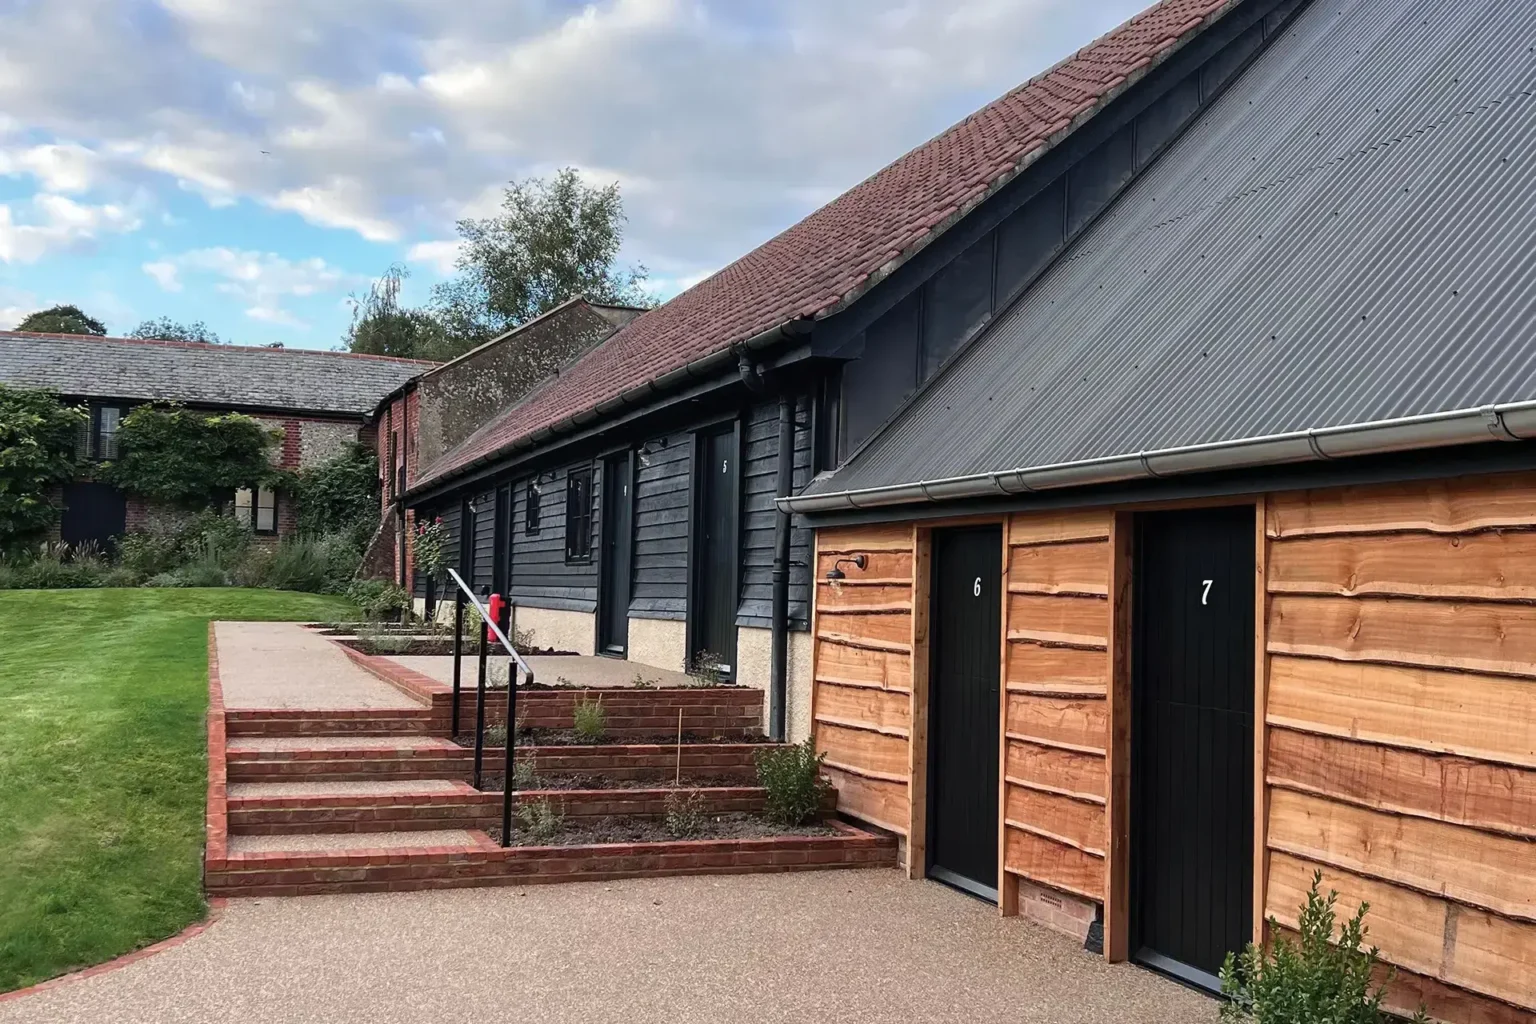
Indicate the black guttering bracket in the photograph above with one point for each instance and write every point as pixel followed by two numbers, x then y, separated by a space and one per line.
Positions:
pixel 707 371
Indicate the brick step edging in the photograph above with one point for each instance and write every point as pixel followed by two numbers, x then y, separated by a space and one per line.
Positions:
pixel 280 874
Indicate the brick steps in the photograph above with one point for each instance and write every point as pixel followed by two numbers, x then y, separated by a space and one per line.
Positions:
pixel 258 811
pixel 261 759
pixel 329 722
pixel 726 711
pixel 394 863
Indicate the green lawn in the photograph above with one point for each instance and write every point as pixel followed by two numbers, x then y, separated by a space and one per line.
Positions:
pixel 103 695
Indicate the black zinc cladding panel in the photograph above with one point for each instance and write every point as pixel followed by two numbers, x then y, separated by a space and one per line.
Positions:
pixel 1343 237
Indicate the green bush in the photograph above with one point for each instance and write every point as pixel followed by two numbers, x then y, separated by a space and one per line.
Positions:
pixel 378 599
pixel 793 781
pixel 591 721
pixel 164 579
pixel 340 495
pixel 190 458
pixel 318 565
pixel 37 442
pixel 685 817
pixel 147 554
pixel 120 576
pixel 54 567
pixel 212 536
pixel 1319 981
pixel 540 819
pixel 203 574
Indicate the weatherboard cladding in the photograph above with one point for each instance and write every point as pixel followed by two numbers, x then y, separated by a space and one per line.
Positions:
pixel 659 583
pixel 541 577
pixel 759 478
pixel 1344 237
pixel 235 376
pixel 825 261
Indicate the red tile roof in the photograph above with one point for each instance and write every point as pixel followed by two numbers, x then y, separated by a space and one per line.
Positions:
pixel 833 256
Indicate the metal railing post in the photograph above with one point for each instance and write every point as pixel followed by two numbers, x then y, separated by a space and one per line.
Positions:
pixel 480 706
pixel 506 786
pixel 458 650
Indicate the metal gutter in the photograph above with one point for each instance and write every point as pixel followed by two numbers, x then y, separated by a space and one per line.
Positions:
pixel 701 368
pixel 1510 421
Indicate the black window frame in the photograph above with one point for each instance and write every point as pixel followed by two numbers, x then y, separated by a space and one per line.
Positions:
pixel 531 496
pixel 90 447
pixel 254 522
pixel 578 516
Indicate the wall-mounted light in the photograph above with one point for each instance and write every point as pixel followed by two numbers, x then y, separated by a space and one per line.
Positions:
pixel 836 573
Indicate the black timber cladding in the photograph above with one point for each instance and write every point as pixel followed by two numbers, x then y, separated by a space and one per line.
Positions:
pixel 1342 237
pixel 659 589
pixel 541 577
pixel 759 476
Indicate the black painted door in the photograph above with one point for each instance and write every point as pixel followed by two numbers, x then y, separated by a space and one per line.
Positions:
pixel 714 589
pixel 1192 740
pixel 965 638
pixel 93 512
pixel 618 541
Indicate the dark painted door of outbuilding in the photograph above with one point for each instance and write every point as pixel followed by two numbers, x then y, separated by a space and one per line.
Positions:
pixel 1192 740
pixel 618 540
pixel 965 647
pixel 93 512
pixel 715 544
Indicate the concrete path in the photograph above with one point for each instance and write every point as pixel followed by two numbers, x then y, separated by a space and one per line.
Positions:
pixel 283 665
pixel 582 670
pixel 855 947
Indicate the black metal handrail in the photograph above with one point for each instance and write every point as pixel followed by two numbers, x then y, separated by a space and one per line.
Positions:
pixel 488 627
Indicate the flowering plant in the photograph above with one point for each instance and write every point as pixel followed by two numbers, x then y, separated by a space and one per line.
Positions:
pixel 430 541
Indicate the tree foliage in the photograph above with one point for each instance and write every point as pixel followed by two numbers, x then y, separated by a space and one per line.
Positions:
pixel 173 454
pixel 165 329
pixel 382 327
pixel 37 450
pixel 554 239
pixel 340 495
pixel 62 320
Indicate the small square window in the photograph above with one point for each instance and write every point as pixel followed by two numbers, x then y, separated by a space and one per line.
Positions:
pixel 578 515
pixel 257 509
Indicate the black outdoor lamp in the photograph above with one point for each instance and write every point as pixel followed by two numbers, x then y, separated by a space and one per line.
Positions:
pixel 837 568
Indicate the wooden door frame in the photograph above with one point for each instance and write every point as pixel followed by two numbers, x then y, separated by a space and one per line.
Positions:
pixel 600 557
pixel 918 740
pixel 1120 694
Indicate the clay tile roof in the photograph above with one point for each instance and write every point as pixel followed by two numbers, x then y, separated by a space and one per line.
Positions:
pixel 823 263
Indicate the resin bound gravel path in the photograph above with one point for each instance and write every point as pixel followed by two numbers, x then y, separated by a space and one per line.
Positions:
pixel 857 947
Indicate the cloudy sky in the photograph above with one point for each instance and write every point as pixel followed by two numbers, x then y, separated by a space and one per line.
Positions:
pixel 250 163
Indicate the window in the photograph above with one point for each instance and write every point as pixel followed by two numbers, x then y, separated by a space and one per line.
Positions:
pixel 531 516
pixel 578 515
pixel 98 437
pixel 257 509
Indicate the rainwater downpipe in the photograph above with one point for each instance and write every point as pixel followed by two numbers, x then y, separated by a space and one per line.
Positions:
pixel 778 663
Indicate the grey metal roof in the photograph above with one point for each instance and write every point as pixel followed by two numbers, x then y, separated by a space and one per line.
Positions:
pixel 1347 236
pixel 223 375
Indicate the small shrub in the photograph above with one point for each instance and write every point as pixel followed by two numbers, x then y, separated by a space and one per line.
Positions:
pixel 794 784
pixel 203 574
pixel 316 565
pixel 705 669
pixel 591 721
pixel 540 819
pixel 522 639
pixel 147 554
pixel 640 682
pixel 120 576
pixel 164 579
pixel 525 774
pixel 211 536
pixel 391 643
pixel 685 817
pixel 378 599
pixel 53 569
pixel 496 735
pixel 1317 982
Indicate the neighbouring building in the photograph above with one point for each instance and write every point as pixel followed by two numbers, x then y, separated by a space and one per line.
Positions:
pixel 320 400
pixel 1110 487
pixel 427 415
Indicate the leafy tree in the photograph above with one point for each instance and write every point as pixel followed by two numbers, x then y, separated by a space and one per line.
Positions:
pixel 62 320
pixel 553 239
pixel 165 329
pixel 37 450
pixel 189 458
pixel 382 327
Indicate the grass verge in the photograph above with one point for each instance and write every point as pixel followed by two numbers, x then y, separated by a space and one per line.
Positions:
pixel 103 694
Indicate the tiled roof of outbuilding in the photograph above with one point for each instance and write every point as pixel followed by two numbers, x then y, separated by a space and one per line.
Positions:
pixel 834 255
pixel 235 376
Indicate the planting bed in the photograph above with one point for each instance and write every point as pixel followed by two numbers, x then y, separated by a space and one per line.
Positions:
pixel 568 738
pixel 601 831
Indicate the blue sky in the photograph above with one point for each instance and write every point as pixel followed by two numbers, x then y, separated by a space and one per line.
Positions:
pixel 252 164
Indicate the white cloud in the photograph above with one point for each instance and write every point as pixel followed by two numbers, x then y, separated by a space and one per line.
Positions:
pixel 15 305
pixel 165 274
pixel 439 255
pixel 57 223
pixel 259 281
pixel 723 120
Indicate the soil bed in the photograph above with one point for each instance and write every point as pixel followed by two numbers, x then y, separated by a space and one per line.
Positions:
pixel 594 831
pixel 433 647
pixel 568 738
pixel 574 780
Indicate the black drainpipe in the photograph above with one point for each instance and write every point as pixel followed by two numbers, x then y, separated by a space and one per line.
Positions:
pixel 779 659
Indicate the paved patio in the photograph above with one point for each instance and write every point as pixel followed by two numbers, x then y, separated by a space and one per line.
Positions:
pixel 283 665
pixel 857 947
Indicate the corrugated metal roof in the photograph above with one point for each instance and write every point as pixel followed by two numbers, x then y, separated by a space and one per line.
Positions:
pixel 177 371
pixel 1346 236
